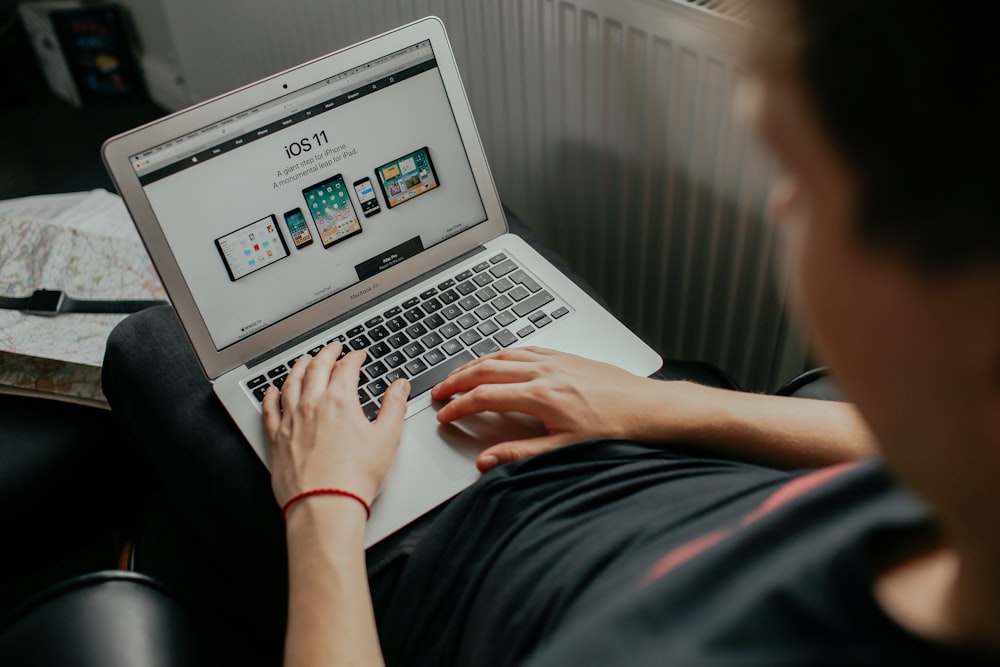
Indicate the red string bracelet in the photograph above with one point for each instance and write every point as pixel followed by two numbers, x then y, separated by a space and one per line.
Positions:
pixel 324 492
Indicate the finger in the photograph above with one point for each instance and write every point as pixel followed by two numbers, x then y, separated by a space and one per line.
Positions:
pixel 346 372
pixel 493 398
pixel 505 452
pixel 489 371
pixel 393 409
pixel 509 354
pixel 272 414
pixel 318 371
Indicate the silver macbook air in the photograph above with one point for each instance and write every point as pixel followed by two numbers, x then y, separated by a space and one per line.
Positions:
pixel 349 199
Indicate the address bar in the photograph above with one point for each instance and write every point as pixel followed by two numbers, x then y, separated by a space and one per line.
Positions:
pixel 280 109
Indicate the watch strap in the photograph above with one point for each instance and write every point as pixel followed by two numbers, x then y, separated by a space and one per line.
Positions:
pixel 71 305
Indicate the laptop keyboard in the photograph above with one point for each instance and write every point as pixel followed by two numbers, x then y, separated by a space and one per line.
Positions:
pixel 480 309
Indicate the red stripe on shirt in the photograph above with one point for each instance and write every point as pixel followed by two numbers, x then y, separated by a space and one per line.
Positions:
pixel 786 493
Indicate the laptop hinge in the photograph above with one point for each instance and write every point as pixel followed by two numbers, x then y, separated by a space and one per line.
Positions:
pixel 330 324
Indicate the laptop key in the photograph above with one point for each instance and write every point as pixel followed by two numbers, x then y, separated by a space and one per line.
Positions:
pixel 559 312
pixel 433 321
pixel 434 357
pixel 486 294
pixel 452 347
pixel 373 321
pixel 410 303
pixel 505 318
pixel 362 395
pixel 467 321
pixel 392 376
pixel 414 315
pixel 451 312
pixel 316 350
pixel 505 338
pixel 275 372
pixel 466 288
pixel 377 387
pixel 519 293
pixel 544 321
pixel 503 268
pixel 471 336
pixel 488 328
pixel 259 392
pixel 378 333
pixel 428 294
pixel 432 305
pixel 464 275
pixel 339 339
pixel 362 378
pixel 483 279
pixel 396 324
pixel 485 312
pixel 371 411
pixel 256 382
pixel 379 350
pixel 449 330
pixel 449 296
pixel 395 359
pixel 433 339
pixel 501 302
pixel 469 303
pixel 446 284
pixel 351 333
pixel 495 259
pixel 377 368
pixel 424 382
pixel 392 312
pixel 537 315
pixel 398 340
pixel 414 350
pixel 484 347
pixel 534 303
pixel 416 367
pixel 416 331
pixel 525 331
pixel 482 266
pixel 360 343
pixel 279 382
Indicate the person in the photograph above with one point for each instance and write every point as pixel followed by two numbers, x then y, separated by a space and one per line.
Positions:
pixel 675 523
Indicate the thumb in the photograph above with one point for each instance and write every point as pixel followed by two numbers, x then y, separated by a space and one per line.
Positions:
pixel 505 452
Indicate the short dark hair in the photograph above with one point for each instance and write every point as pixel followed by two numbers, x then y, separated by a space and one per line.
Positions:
pixel 904 90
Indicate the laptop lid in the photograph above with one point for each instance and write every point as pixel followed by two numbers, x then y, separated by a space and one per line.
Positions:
pixel 273 209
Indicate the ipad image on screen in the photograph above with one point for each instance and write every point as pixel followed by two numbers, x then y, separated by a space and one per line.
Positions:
pixel 330 205
pixel 407 177
pixel 252 248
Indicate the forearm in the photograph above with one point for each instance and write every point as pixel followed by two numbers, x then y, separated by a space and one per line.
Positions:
pixel 773 430
pixel 330 616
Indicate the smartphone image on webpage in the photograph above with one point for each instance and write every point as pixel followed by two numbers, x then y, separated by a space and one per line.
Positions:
pixel 407 177
pixel 252 247
pixel 298 229
pixel 329 204
pixel 366 197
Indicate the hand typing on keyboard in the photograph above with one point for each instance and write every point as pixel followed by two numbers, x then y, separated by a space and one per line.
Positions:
pixel 320 437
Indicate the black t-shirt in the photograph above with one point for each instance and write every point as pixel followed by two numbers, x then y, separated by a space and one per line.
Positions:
pixel 617 553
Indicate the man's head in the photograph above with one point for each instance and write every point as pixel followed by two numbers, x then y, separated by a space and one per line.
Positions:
pixel 890 204
pixel 905 91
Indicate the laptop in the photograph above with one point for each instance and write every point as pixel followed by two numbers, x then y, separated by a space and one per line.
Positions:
pixel 349 198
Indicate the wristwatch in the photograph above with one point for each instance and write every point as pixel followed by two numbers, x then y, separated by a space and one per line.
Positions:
pixel 53 302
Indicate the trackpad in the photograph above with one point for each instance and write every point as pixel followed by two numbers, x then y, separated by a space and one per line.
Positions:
pixel 455 446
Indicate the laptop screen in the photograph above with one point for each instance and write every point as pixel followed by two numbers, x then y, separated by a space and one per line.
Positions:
pixel 288 203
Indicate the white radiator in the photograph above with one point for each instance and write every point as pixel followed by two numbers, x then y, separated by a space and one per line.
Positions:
pixel 608 128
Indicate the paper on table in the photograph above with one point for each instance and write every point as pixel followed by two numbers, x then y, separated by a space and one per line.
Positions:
pixel 86 245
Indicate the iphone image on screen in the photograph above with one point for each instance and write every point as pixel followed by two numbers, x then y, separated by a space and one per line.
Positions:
pixel 366 197
pixel 329 204
pixel 298 229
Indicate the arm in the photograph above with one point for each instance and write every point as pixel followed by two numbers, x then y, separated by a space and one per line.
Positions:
pixel 577 399
pixel 320 438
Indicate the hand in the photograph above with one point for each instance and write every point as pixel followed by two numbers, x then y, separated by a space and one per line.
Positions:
pixel 320 437
pixel 575 398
